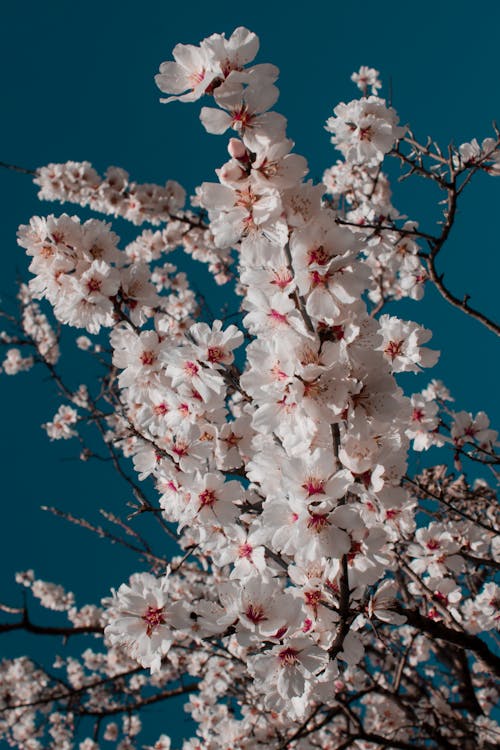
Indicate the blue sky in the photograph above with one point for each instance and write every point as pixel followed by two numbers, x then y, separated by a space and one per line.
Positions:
pixel 77 83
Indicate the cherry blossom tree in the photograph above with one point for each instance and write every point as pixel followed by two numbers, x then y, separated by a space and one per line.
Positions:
pixel 322 593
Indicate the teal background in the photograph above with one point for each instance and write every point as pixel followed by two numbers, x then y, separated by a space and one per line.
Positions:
pixel 77 83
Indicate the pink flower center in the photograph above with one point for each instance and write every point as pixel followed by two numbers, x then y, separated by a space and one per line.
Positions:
pixel 246 199
pixel 191 368
pixel 241 117
pixel 94 285
pixel 288 656
pixel 255 613
pixel 282 278
pixel 148 358
pixel 313 389
pixel 207 498
pixel 245 550
pixel 317 255
pixel 365 134
pixel 180 449
pixel 317 522
pixel 313 598
pixel 215 354
pixel 232 439
pixel 160 409
pixel 394 348
pixel 313 486
pixel 153 619
pixel 318 279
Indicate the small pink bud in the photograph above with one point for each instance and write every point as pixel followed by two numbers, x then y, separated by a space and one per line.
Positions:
pixel 236 149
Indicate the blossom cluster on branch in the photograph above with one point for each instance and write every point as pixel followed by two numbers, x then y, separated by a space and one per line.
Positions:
pixel 321 595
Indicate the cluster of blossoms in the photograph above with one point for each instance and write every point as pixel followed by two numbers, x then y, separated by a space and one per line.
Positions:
pixel 473 154
pixel 362 192
pixel 284 469
pixel 34 328
pixel 60 427
pixel 51 595
pixel 319 436
pixel 78 182
pixel 14 362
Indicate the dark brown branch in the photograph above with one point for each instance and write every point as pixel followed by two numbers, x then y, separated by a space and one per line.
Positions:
pixel 104 534
pixel 426 492
pixel 65 632
pixel 379 227
pixel 15 168
pixel 460 304
pixel 71 692
pixel 345 615
pixel 127 708
pixel 442 632
pixel 453 190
